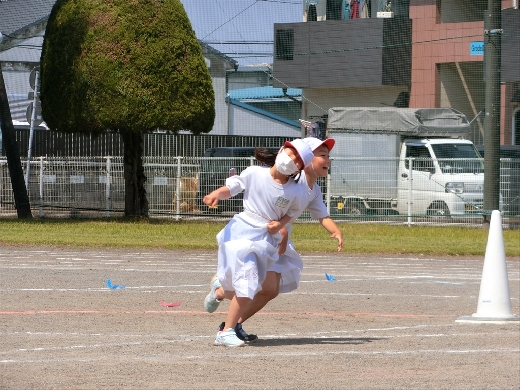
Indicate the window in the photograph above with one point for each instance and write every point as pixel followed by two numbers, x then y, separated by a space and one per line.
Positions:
pixel 454 151
pixel 459 11
pixel 334 10
pixel 516 132
pixel 284 44
pixel 423 160
pixel 457 158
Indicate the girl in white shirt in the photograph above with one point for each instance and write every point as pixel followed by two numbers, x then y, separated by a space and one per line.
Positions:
pixel 284 275
pixel 248 244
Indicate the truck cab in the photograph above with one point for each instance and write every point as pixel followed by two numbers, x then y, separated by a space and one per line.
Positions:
pixel 440 177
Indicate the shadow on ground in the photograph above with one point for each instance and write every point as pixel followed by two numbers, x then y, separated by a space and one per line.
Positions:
pixel 313 341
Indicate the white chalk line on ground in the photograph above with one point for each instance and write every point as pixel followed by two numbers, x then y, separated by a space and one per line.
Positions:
pixel 340 335
pixel 340 277
pixel 82 334
pixel 375 295
pixel 146 288
pixel 240 353
pixel 316 333
pixel 175 290
pixel 400 262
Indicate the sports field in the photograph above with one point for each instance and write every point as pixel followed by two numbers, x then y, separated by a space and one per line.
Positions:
pixel 386 322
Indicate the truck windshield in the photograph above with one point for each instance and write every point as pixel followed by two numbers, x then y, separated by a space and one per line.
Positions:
pixel 458 158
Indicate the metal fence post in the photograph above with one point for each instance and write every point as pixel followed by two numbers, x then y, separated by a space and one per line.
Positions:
pixel 107 186
pixel 328 192
pixel 40 212
pixel 410 192
pixel 178 188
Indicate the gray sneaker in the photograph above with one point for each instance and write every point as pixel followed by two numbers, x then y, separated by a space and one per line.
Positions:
pixel 228 338
pixel 211 302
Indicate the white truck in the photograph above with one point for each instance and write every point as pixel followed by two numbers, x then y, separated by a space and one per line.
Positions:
pixel 404 161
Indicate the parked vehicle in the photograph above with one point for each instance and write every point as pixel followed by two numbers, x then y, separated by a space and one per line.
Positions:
pixel 403 161
pixel 218 164
pixel 509 177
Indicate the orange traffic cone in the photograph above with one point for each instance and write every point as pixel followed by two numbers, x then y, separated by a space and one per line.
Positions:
pixel 494 302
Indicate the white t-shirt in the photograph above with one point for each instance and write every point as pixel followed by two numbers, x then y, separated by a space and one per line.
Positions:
pixel 311 199
pixel 265 197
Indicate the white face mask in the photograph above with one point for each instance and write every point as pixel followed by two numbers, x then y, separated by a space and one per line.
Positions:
pixel 285 164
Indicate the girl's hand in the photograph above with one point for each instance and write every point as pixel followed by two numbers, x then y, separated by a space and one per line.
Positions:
pixel 282 246
pixel 338 236
pixel 274 227
pixel 211 199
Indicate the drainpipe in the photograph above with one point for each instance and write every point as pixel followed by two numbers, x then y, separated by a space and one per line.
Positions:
pixel 515 129
pixel 228 99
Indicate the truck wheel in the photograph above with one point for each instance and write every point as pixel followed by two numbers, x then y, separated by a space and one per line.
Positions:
pixel 354 208
pixel 438 209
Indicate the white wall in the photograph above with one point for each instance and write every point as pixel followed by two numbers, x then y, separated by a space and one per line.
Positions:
pixel 245 122
pixel 221 116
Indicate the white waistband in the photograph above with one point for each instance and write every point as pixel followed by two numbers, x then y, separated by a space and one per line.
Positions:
pixel 253 217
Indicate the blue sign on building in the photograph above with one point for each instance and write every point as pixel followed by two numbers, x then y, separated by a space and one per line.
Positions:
pixel 476 48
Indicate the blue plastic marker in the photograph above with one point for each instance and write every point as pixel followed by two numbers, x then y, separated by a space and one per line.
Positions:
pixel 113 286
pixel 330 277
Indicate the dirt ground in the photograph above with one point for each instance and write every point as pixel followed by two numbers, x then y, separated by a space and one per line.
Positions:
pixel 386 322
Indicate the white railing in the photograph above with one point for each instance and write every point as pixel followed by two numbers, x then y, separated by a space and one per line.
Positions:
pixel 357 190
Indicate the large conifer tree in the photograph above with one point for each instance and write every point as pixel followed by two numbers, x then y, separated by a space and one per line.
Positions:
pixel 131 66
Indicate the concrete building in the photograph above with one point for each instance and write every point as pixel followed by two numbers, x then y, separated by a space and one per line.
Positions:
pixel 404 53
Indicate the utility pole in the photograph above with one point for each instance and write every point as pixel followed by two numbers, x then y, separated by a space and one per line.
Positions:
pixel 492 56
pixel 33 117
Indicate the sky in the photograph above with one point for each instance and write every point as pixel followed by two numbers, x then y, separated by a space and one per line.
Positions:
pixel 241 29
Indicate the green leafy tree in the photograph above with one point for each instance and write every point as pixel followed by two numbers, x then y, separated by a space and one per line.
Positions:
pixel 131 66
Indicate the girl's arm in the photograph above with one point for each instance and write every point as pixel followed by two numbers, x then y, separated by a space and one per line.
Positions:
pixel 333 229
pixel 219 194
pixel 282 246
pixel 274 227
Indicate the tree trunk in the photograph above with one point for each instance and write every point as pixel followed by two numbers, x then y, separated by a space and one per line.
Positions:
pixel 21 199
pixel 136 204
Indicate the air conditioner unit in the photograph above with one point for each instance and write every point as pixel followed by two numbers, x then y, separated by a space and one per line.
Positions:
pixel 385 14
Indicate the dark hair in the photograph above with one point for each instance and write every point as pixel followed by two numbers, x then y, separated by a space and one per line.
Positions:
pixel 265 156
pixel 268 158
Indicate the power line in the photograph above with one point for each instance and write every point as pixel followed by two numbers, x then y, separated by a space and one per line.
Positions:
pixel 229 20
pixel 239 42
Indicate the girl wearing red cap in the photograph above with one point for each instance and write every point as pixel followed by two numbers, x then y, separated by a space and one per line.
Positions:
pixel 248 244
pixel 284 275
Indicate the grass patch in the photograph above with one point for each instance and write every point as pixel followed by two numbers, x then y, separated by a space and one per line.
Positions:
pixel 308 237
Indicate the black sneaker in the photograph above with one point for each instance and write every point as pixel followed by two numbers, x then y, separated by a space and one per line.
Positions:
pixel 241 333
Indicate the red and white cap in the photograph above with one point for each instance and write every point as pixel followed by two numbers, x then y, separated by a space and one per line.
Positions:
pixel 315 143
pixel 303 150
